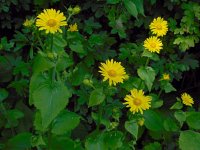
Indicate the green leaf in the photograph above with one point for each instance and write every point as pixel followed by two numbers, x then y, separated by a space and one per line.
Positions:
pixel 96 97
pixel 13 116
pixel 3 94
pixel 155 102
pixel 65 122
pixel 139 6
pixel 64 61
pixel 59 42
pixel 95 142
pixel 77 47
pixel 150 55
pixel 189 140
pixel 168 87
pixel 170 125
pixel 193 120
pixel 41 64
pixel 153 146
pixel 180 116
pixel 132 127
pixel 153 120
pixel 131 8
pixel 148 75
pixel 21 141
pixel 50 98
pixel 177 105
pixel 113 139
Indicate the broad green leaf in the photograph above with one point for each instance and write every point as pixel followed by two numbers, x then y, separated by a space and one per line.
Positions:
pixel 132 127
pixel 41 64
pixel 168 87
pixel 180 116
pixel 177 105
pixel 170 125
pixel 50 98
pixel 153 120
pixel 65 122
pixel 148 75
pixel 193 120
pixel 64 61
pixel 155 102
pixel 77 47
pixel 131 8
pixel 38 121
pixel 139 6
pixel 58 42
pixel 96 97
pixel 95 142
pixel 153 146
pixel 113 139
pixel 21 141
pixel 3 94
pixel 150 55
pixel 13 116
pixel 189 140
pixel 64 143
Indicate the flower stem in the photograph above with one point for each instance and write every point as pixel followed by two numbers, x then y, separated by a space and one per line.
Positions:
pixel 160 92
pixel 100 111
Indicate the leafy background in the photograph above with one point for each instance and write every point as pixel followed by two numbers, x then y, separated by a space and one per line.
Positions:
pixel 85 113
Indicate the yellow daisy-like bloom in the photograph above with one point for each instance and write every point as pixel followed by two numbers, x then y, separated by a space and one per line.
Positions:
pixel 28 22
pixel 73 28
pixel 51 21
pixel 112 71
pixel 159 26
pixel 153 44
pixel 165 76
pixel 137 101
pixel 187 99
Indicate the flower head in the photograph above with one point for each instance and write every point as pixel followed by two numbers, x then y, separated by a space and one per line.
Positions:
pixel 165 76
pixel 76 10
pixel 28 22
pixel 187 99
pixel 140 121
pixel 153 44
pixel 73 28
pixel 51 20
pixel 137 101
pixel 112 71
pixel 159 26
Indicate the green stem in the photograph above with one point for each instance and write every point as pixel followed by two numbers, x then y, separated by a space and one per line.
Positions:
pixel 51 43
pixel 6 116
pixel 160 92
pixel 69 17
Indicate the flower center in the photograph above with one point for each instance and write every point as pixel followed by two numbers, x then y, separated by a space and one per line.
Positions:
pixel 51 22
pixel 112 73
pixel 137 102
pixel 159 27
pixel 153 45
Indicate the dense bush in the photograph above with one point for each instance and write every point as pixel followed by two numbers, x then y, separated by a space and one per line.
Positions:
pixel 98 75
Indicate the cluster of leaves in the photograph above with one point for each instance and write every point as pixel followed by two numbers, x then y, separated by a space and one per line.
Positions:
pixel 57 100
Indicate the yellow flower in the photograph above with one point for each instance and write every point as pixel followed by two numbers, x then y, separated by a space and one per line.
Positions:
pixel 187 99
pixel 28 22
pixel 112 71
pixel 51 21
pixel 159 26
pixel 165 76
pixel 137 101
pixel 73 28
pixel 153 44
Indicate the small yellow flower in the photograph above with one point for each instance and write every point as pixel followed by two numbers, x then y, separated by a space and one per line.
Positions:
pixel 159 26
pixel 112 71
pixel 141 121
pixel 153 44
pixel 51 21
pixel 165 76
pixel 76 10
pixel 28 22
pixel 137 101
pixel 187 99
pixel 73 28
